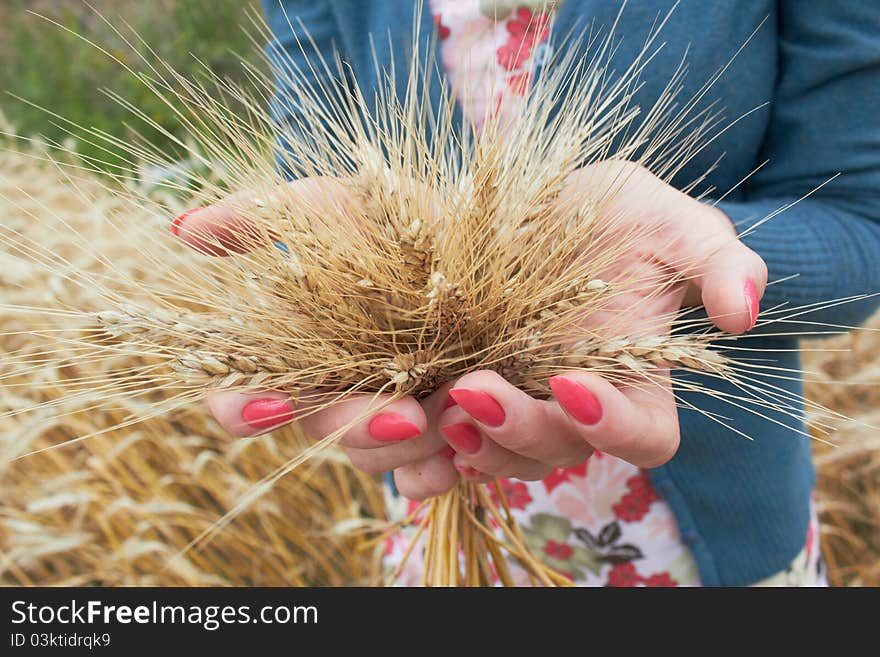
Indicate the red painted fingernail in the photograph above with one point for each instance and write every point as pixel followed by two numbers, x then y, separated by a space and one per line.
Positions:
pixel 479 405
pixel 447 452
pixel 449 403
pixel 578 401
pixel 178 221
pixel 389 427
pixel 754 305
pixel 265 413
pixel 467 470
pixel 464 436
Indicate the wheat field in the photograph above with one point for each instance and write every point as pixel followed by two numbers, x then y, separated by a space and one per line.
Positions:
pixel 121 508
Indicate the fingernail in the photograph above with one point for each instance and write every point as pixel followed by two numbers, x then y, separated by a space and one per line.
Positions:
pixel 752 302
pixel 479 405
pixel 578 401
pixel 389 427
pixel 464 436
pixel 447 452
pixel 449 403
pixel 178 221
pixel 265 413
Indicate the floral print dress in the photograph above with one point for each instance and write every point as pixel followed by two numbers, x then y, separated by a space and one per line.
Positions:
pixel 600 523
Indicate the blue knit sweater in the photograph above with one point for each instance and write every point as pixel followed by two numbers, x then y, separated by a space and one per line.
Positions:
pixel 741 505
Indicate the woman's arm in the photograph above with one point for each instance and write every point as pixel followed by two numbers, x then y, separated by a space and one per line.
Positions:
pixel 303 32
pixel 825 121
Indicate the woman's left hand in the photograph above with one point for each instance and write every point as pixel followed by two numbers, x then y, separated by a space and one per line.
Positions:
pixel 497 430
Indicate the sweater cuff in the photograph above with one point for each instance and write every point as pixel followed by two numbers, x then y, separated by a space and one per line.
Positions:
pixel 814 255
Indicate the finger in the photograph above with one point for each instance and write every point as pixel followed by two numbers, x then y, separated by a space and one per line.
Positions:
pixel 369 421
pixel 528 427
pixel 246 414
pixel 365 457
pixel 637 424
pixel 730 276
pixel 695 239
pixel 243 414
pixel 479 451
pixel 236 224
pixel 393 455
pixel 398 455
pixel 437 402
pixel 217 230
pixel 427 478
pixel 732 289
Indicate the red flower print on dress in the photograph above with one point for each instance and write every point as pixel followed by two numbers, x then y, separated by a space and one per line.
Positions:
pixel 634 505
pixel 660 579
pixel 528 28
pixel 640 484
pixel 624 574
pixel 519 83
pixel 526 31
pixel 512 57
pixel 516 493
pixel 442 30
pixel 809 546
pixel 560 475
pixel 557 550
pixel 631 508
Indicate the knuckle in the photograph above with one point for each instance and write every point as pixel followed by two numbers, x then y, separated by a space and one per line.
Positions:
pixel 620 166
pixel 517 440
pixel 537 475
pixel 571 460
pixel 665 451
pixel 366 463
pixel 479 379
pixel 502 466
pixel 530 430
pixel 632 168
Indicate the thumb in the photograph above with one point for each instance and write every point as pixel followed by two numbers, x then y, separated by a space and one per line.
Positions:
pixel 217 230
pixel 237 224
pixel 731 277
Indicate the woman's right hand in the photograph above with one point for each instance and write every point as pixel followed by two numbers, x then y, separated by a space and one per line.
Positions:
pixel 403 433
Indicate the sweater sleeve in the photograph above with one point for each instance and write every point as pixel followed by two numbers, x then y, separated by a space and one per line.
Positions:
pixel 302 33
pixel 825 122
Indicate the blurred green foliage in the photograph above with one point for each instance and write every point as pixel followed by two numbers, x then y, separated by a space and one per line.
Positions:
pixel 56 70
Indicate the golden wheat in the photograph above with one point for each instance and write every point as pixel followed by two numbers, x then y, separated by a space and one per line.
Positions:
pixel 118 510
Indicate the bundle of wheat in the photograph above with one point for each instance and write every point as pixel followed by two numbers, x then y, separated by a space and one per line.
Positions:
pixel 120 508
pixel 416 252
pixel 70 546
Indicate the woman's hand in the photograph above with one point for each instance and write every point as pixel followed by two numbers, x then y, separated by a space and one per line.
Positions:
pixel 495 429
pixel 396 436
